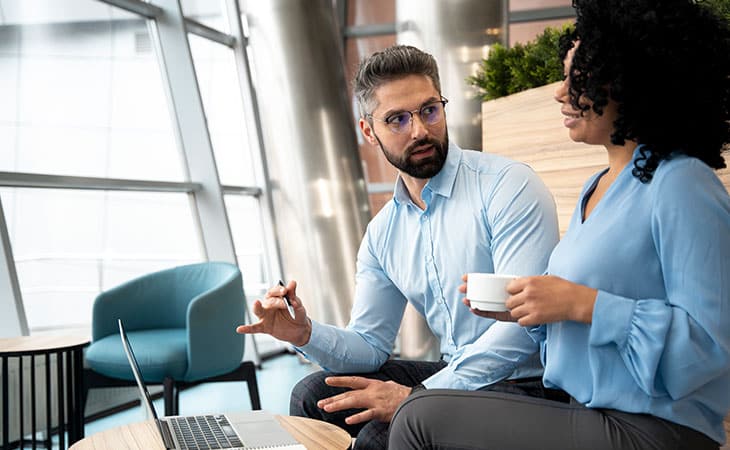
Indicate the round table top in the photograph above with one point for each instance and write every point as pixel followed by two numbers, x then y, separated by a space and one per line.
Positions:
pixel 313 434
pixel 27 345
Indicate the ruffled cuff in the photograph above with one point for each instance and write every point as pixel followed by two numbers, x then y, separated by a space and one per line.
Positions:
pixel 611 321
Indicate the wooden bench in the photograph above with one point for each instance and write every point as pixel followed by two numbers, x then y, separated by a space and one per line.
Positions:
pixel 528 127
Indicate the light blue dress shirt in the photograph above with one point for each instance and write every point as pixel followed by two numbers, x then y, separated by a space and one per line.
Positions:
pixel 659 255
pixel 484 213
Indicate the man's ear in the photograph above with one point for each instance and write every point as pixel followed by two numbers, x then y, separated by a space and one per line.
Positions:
pixel 367 132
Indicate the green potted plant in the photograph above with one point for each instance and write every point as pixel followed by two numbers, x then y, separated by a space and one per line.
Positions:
pixel 524 66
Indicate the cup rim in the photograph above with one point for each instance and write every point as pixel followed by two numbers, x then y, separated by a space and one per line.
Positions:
pixel 491 275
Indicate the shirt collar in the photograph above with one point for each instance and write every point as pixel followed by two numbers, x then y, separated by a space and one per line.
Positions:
pixel 442 183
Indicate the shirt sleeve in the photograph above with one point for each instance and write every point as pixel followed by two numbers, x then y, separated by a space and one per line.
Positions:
pixel 523 224
pixel 522 220
pixel 674 345
pixel 369 338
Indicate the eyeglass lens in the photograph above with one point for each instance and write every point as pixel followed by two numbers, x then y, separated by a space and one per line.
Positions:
pixel 430 114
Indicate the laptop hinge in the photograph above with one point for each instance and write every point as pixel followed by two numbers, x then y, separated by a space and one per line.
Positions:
pixel 166 435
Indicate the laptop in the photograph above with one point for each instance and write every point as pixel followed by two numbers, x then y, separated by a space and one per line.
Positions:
pixel 241 431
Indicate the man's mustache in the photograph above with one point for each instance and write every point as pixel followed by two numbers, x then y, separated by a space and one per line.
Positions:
pixel 420 143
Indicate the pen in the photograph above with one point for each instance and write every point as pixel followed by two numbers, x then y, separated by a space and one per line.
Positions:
pixel 288 302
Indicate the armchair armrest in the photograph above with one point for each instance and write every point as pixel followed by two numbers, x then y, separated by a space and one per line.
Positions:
pixel 214 347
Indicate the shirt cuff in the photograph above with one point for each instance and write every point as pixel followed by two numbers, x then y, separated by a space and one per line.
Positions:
pixel 611 321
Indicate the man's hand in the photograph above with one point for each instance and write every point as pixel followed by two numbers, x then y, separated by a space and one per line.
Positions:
pixel 380 399
pixel 274 318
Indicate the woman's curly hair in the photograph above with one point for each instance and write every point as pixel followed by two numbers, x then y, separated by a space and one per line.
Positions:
pixel 667 65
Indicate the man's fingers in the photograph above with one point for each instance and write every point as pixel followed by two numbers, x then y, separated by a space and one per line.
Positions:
pixel 349 382
pixel 250 329
pixel 258 308
pixel 360 417
pixel 326 401
pixel 348 402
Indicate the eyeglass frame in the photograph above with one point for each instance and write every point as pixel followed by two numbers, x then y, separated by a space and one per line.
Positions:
pixel 443 100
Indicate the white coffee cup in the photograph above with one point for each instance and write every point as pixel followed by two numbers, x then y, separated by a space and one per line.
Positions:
pixel 488 291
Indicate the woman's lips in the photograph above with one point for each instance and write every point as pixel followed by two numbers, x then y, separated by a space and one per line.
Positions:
pixel 571 119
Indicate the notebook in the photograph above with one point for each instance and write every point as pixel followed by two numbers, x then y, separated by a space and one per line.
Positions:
pixel 244 430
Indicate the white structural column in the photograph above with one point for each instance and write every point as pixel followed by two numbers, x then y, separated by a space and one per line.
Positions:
pixel 170 36
pixel 12 314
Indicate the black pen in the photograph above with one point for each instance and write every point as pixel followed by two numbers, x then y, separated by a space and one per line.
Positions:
pixel 288 302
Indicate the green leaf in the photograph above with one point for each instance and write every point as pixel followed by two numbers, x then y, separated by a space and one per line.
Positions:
pixel 524 66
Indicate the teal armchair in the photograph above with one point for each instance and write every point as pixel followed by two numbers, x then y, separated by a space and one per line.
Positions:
pixel 181 324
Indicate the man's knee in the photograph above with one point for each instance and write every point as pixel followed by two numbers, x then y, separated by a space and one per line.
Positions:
pixel 306 393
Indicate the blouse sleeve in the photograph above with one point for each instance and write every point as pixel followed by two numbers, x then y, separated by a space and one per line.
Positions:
pixel 674 345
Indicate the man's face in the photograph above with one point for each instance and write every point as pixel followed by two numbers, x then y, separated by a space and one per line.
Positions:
pixel 418 148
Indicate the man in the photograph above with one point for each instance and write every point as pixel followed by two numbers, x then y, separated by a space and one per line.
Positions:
pixel 453 212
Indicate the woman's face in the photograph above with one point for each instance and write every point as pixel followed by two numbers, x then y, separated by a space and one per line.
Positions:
pixel 585 126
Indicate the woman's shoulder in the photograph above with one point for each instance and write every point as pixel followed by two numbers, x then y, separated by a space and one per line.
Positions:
pixel 685 180
pixel 680 171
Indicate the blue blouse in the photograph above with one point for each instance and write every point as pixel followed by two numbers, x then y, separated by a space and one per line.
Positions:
pixel 659 255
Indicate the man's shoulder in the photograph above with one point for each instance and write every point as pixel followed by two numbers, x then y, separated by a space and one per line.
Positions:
pixel 382 217
pixel 481 161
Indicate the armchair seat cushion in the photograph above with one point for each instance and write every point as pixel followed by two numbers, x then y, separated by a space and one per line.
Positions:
pixel 160 353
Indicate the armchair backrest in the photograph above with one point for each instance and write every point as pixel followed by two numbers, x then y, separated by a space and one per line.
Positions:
pixel 161 299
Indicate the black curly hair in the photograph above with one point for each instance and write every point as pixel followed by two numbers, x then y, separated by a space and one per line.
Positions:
pixel 667 65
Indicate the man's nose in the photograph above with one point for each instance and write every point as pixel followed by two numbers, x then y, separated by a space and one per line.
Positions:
pixel 418 128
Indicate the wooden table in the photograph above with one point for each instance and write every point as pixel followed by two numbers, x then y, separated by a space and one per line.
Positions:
pixel 68 351
pixel 313 434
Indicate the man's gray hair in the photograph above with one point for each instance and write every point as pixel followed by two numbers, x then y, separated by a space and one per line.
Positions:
pixel 388 65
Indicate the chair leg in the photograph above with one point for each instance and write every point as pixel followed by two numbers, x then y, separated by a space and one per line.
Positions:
pixel 249 374
pixel 168 390
pixel 176 400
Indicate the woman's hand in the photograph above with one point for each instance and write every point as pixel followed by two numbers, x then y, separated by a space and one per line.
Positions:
pixel 545 299
pixel 542 299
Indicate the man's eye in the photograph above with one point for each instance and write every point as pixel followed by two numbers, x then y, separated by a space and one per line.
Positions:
pixel 428 110
pixel 397 119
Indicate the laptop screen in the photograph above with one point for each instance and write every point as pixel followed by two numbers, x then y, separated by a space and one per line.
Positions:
pixel 135 369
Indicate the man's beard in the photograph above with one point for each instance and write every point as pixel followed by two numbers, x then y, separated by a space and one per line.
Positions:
pixel 424 167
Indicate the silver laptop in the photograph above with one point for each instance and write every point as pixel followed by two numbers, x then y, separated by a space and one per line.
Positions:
pixel 245 430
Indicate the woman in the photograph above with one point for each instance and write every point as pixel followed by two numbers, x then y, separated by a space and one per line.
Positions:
pixel 633 320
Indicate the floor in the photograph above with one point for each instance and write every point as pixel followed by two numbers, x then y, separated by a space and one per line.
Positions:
pixel 276 378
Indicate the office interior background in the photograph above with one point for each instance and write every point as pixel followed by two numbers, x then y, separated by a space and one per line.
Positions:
pixel 137 136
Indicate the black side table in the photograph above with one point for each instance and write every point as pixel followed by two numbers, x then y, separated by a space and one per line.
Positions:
pixel 68 351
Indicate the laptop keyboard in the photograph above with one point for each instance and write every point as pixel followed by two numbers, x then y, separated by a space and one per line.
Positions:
pixel 203 432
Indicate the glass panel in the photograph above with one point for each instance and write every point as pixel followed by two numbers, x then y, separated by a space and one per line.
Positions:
pixel 215 67
pixel 244 214
pixel 528 31
pixel 82 93
pixel 369 12
pixel 208 12
pixel 522 5
pixel 69 245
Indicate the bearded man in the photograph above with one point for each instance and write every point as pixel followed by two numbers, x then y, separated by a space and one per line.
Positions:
pixel 453 211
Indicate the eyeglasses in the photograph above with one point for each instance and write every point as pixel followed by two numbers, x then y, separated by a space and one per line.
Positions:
pixel 431 113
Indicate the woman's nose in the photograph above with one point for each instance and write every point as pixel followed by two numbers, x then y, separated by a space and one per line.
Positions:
pixel 561 92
